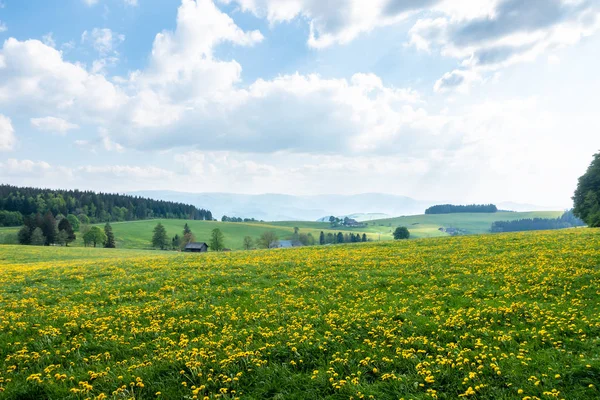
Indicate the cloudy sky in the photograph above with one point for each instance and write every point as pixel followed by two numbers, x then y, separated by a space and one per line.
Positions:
pixel 470 101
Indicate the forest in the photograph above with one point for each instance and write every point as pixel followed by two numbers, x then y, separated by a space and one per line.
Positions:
pixel 18 202
pixel 567 220
pixel 453 209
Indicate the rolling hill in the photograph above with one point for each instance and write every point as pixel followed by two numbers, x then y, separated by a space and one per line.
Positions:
pixel 138 234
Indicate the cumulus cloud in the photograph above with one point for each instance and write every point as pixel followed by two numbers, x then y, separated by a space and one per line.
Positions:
pixel 334 22
pixel 7 134
pixel 53 124
pixel 34 78
pixel 512 31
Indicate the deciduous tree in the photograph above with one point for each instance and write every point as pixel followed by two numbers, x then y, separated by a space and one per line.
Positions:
pixel 587 195
pixel 401 233
pixel 217 240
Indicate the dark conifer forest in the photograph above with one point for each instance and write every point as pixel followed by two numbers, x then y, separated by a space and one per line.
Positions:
pixel 16 203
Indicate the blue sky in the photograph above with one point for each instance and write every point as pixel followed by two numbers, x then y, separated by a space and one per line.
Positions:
pixel 471 101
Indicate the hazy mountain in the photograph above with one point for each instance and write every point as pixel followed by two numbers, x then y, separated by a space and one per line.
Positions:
pixel 283 207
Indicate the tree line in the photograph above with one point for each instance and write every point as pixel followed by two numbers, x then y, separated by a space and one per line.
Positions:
pixel 48 231
pixel 567 220
pixel 225 218
pixel 18 202
pixel 453 209
pixel 332 238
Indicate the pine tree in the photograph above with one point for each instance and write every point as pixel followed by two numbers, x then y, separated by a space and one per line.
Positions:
pixel 110 237
pixel 186 229
pixel 364 237
pixel 322 238
pixel 159 238
pixel 175 242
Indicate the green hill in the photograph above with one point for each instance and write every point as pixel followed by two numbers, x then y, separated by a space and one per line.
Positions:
pixel 423 226
pixel 138 234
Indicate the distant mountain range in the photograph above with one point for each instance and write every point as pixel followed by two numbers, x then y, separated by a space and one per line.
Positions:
pixel 283 207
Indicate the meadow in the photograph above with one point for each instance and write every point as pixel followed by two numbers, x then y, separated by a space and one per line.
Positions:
pixel 507 316
pixel 426 226
pixel 138 234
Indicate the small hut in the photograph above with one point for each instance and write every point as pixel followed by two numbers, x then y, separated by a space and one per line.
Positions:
pixel 194 247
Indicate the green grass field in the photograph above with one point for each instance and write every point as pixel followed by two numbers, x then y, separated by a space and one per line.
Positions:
pixel 424 226
pixel 138 234
pixel 506 316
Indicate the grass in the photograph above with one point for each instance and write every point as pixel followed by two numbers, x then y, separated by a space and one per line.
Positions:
pixel 138 234
pixel 425 226
pixel 507 316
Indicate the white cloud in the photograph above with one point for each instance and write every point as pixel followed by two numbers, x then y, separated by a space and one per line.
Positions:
pixel 35 79
pixel 104 40
pixel 509 32
pixel 90 2
pixel 53 124
pixel 48 40
pixel 7 134
pixel 334 22
pixel 20 167
pixel 3 27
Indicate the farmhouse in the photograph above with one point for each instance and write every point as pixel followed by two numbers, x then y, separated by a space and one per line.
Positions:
pixel 196 247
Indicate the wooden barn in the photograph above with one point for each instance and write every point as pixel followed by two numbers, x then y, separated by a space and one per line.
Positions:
pixel 196 247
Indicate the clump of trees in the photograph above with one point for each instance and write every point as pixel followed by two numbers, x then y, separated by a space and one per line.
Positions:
pixel 586 199
pixel 334 222
pixel 453 209
pixel 225 218
pixel 268 240
pixel 340 237
pixel 18 202
pixel 94 236
pixel 567 220
pixel 46 230
pixel 401 233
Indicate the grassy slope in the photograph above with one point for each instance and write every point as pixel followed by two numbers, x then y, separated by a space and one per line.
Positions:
pixel 137 234
pixel 508 315
pixel 422 226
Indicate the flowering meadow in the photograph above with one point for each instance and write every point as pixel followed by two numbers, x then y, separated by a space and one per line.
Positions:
pixel 510 316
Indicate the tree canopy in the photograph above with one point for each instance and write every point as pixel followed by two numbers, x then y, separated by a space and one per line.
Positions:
pixel 18 202
pixel 587 195
pixel 401 233
pixel 453 209
pixel 159 237
pixel 217 240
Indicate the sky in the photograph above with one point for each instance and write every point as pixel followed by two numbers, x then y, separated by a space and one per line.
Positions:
pixel 470 101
